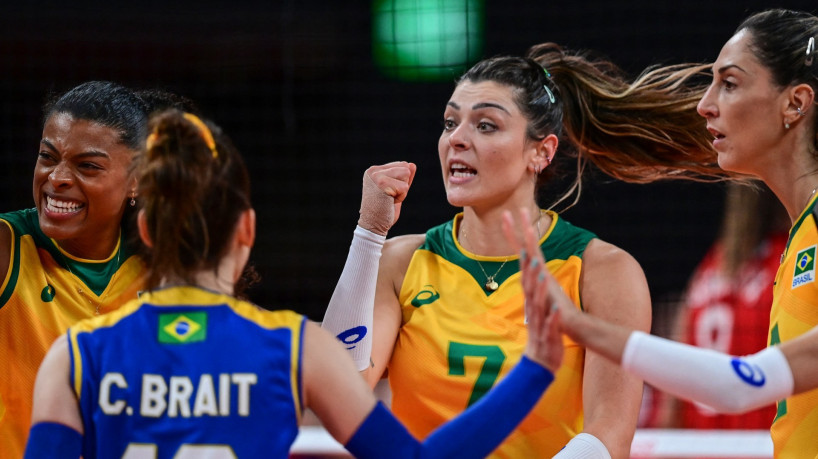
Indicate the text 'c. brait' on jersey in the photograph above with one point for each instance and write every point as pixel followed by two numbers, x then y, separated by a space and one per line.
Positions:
pixel 179 396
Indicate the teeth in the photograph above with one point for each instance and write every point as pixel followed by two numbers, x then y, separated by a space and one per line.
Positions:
pixel 54 205
pixel 459 170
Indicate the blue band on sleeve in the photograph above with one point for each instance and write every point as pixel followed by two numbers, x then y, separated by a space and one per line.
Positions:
pixel 50 440
pixel 381 435
pixel 474 433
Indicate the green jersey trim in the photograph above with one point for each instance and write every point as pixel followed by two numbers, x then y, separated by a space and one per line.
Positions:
pixel 560 242
pixel 95 274
pixel 14 265
pixel 809 210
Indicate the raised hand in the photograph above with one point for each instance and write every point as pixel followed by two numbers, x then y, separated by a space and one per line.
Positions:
pixel 384 189
pixel 544 338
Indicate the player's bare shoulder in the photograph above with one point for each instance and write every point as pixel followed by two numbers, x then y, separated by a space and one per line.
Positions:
pixel 613 285
pixel 605 257
pixel 397 253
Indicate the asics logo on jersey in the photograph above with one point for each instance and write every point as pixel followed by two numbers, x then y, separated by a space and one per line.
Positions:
pixel 804 272
pixel 426 296
pixel 750 374
pixel 48 294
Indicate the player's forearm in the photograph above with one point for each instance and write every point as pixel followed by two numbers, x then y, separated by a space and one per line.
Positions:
pixel 725 383
pixel 350 311
pixel 604 338
pixel 611 400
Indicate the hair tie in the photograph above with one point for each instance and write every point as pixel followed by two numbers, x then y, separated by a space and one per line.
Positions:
pixel 151 140
pixel 203 130
pixel 810 51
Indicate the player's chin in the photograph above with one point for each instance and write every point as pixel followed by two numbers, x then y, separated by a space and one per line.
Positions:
pixel 457 197
pixel 59 232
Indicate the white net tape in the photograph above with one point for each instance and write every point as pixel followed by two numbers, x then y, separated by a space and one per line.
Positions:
pixel 314 441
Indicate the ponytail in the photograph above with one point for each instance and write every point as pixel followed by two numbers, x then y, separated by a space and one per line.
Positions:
pixel 637 132
pixel 193 187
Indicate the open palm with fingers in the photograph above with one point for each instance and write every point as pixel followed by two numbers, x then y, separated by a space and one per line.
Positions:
pixel 544 337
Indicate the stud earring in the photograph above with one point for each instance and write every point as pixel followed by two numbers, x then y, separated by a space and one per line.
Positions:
pixel 133 200
pixel 786 125
pixel 800 113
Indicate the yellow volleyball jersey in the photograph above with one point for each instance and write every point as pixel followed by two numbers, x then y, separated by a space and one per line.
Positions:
pixel 794 312
pixel 457 338
pixel 39 299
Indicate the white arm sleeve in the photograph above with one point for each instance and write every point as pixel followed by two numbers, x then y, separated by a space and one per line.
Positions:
pixel 725 383
pixel 350 310
pixel 584 446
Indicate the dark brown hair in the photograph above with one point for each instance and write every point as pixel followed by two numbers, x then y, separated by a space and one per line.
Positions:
pixel 192 198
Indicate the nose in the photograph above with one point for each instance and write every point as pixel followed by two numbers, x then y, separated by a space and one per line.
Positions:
pixel 458 137
pixel 61 176
pixel 707 105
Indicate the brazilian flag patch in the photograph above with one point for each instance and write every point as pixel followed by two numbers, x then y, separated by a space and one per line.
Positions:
pixel 182 327
pixel 804 272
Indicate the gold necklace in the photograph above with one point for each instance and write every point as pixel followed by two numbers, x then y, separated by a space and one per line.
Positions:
pixel 82 291
pixel 491 285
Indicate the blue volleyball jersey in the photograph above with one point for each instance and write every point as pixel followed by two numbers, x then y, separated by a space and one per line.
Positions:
pixel 183 372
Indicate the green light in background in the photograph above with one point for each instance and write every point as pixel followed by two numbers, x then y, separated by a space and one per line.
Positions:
pixel 426 40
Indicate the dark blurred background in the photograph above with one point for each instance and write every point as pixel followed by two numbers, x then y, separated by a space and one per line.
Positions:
pixel 294 84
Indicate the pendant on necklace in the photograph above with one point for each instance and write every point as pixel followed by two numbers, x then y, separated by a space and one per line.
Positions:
pixel 491 285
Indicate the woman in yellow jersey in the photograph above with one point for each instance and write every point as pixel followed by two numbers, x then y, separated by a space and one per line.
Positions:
pixel 68 258
pixel 449 314
pixel 761 111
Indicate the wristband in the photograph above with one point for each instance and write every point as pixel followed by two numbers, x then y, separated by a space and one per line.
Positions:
pixel 584 446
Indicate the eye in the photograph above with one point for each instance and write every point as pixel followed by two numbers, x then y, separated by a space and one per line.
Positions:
pixel 728 83
pixel 449 124
pixel 90 166
pixel 485 126
pixel 46 157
